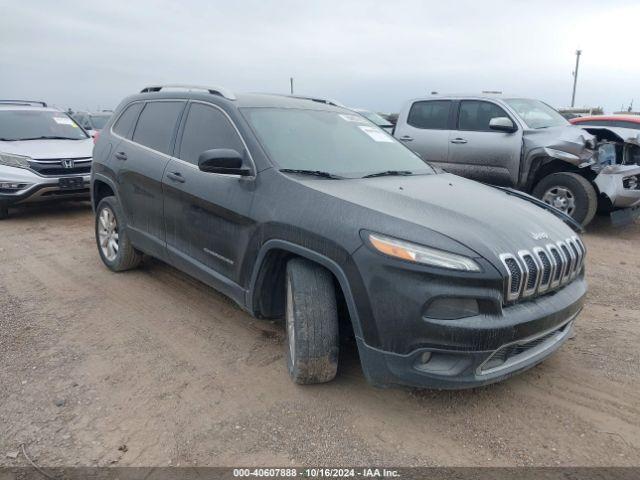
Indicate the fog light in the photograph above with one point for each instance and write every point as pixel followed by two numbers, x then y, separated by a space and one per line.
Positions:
pixel 452 308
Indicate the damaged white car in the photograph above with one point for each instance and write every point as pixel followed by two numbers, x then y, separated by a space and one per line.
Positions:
pixel 617 169
pixel 525 144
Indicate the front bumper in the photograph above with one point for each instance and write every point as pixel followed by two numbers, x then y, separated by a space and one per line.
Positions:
pixel 401 345
pixel 38 188
pixel 611 183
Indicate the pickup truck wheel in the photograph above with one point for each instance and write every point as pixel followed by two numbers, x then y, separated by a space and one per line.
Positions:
pixel 570 193
pixel 312 323
pixel 114 246
pixel 4 212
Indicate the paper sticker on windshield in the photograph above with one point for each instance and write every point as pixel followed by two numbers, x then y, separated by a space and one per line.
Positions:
pixel 63 121
pixel 375 133
pixel 352 118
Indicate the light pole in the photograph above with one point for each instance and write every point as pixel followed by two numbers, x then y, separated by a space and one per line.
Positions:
pixel 575 77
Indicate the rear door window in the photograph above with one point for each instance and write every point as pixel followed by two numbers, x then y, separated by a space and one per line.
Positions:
pixel 475 115
pixel 124 124
pixel 207 128
pixel 157 124
pixel 430 114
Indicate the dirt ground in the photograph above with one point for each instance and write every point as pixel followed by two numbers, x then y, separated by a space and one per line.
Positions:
pixel 151 367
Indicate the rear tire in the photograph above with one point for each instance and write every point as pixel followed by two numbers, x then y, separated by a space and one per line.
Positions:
pixel 571 193
pixel 114 245
pixel 312 323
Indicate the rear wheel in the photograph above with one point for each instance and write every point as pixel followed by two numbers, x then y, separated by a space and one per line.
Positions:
pixel 114 246
pixel 570 193
pixel 312 323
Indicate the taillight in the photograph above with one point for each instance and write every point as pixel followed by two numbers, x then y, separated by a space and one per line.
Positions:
pixel 95 136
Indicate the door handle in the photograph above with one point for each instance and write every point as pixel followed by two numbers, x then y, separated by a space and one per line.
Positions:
pixel 121 156
pixel 406 138
pixel 176 177
pixel 458 140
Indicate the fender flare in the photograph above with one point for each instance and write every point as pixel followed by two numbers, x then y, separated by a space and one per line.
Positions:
pixel 314 256
pixel 104 179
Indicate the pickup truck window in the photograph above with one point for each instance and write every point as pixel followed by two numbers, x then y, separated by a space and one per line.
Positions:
pixel 430 114
pixel 475 115
pixel 536 114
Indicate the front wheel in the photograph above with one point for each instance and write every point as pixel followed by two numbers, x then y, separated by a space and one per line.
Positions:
pixel 569 193
pixel 114 246
pixel 4 212
pixel 312 323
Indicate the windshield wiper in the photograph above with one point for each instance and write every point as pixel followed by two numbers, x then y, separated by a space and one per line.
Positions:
pixel 48 137
pixel 389 173
pixel 317 173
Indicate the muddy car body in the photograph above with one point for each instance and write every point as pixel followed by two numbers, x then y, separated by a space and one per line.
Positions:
pixel 288 206
pixel 519 143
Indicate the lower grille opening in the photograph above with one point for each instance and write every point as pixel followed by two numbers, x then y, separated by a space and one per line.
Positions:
pixel 510 352
pixel 64 193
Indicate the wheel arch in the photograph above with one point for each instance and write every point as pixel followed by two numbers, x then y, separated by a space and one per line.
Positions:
pixel 266 287
pixel 542 165
pixel 101 187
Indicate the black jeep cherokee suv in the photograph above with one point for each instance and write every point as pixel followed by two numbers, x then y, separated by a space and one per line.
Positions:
pixel 296 208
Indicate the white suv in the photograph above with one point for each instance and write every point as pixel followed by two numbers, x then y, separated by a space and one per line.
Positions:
pixel 44 155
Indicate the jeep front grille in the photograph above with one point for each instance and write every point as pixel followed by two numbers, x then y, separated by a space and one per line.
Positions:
pixel 532 273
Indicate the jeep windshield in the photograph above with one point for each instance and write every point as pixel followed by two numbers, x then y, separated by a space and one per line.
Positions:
pixel 338 143
pixel 536 114
pixel 38 125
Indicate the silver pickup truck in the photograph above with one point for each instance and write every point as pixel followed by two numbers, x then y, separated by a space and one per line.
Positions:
pixel 525 144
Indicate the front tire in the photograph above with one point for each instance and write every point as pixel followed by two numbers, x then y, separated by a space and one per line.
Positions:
pixel 4 212
pixel 114 245
pixel 312 323
pixel 570 193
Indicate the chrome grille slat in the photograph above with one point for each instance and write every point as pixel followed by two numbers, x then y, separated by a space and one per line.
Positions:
pixel 542 269
pixel 547 269
pixel 568 259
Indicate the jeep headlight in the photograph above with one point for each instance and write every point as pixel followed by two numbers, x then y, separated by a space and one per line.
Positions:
pixel 11 160
pixel 412 252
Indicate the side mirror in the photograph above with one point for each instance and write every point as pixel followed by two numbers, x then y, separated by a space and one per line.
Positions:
pixel 222 160
pixel 502 124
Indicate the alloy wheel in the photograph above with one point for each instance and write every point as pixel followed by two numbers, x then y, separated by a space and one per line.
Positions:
pixel 108 234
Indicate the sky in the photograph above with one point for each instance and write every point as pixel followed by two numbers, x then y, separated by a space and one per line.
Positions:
pixel 368 54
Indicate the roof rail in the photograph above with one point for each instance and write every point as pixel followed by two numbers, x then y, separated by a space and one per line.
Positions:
pixel 223 92
pixel 23 102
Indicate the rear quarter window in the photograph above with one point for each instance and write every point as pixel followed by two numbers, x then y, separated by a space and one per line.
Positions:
pixel 157 124
pixel 124 124
pixel 430 114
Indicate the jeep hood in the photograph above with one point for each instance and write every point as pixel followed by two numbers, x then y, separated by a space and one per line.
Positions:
pixel 482 218
pixel 49 149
